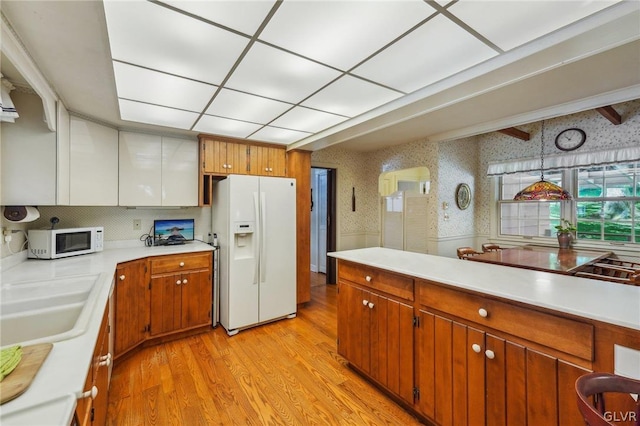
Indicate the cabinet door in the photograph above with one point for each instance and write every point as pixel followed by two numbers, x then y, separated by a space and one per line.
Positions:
pixel 268 161
pixel 196 299
pixel 236 158
pixel 214 156
pixel 166 301
pixel 277 161
pixel 131 305
pixel 93 170
pixel 140 172
pixel 179 172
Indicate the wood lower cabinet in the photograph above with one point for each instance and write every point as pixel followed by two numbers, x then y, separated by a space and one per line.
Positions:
pixel 131 305
pixel 181 293
pixel 375 334
pixel 469 376
pixel 92 409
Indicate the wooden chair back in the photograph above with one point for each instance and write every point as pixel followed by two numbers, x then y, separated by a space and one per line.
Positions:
pixel 465 252
pixel 591 390
pixel 490 247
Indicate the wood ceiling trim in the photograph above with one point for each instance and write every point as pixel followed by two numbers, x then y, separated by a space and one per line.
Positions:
pixel 516 133
pixel 610 114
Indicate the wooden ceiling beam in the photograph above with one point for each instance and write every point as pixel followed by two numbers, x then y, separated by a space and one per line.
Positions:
pixel 516 133
pixel 610 114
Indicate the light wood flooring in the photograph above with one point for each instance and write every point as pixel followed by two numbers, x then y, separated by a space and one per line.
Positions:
pixel 283 373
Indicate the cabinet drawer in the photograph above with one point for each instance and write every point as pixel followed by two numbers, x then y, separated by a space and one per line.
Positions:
pixel 179 263
pixel 388 282
pixel 563 334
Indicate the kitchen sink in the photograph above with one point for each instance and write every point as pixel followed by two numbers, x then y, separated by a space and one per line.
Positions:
pixel 46 311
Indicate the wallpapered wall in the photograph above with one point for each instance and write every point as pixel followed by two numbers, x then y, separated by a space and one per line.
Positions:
pixel 461 161
pixel 601 135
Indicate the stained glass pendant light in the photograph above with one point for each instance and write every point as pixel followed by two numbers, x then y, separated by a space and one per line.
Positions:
pixel 542 190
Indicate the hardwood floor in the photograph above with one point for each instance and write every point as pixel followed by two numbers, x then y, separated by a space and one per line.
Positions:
pixel 318 278
pixel 283 373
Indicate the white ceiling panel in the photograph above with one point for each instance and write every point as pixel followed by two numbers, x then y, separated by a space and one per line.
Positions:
pixel 242 106
pixel 153 114
pixel 307 120
pixel 509 24
pixel 146 34
pixel 225 126
pixel 277 135
pixel 275 74
pixel 342 34
pixel 433 52
pixel 351 96
pixel 140 84
pixel 244 16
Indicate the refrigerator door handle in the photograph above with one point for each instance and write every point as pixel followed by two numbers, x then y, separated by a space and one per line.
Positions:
pixel 256 248
pixel 263 239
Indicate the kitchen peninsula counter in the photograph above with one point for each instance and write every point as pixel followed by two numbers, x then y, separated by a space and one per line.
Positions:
pixel 612 303
pixel 51 397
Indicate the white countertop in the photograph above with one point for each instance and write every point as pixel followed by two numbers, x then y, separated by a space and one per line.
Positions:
pixel 51 398
pixel 604 301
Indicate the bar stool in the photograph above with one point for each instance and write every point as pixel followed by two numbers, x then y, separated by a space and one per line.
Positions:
pixel 596 385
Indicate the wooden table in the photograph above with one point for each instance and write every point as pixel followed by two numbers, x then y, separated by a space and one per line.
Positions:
pixel 541 258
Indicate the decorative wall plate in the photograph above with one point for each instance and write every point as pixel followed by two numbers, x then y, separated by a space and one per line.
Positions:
pixel 463 196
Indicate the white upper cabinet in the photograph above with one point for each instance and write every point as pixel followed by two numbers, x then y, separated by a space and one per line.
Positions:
pixel 157 171
pixel 93 170
pixel 179 172
pixel 140 172
pixel 28 169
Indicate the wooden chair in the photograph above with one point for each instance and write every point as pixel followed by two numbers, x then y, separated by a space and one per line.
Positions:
pixel 611 269
pixel 490 247
pixel 591 389
pixel 465 252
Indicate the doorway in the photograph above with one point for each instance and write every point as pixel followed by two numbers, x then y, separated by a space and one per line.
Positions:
pixel 323 234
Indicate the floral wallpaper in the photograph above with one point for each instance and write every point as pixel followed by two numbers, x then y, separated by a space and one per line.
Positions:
pixel 462 161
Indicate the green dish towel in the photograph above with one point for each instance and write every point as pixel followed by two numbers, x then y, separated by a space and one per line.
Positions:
pixel 9 359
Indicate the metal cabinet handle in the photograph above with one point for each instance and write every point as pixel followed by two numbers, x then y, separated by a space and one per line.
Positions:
pixel 365 302
pixel 371 305
pixel 368 278
pixel 184 281
pixel 476 348
pixel 490 354
pixel 483 312
pixel 178 282
pixel 181 264
pixel 121 277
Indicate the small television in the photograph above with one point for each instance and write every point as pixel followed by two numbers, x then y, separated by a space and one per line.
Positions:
pixel 172 231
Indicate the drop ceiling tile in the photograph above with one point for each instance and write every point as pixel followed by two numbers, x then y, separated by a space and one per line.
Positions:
pixel 279 75
pixel 350 96
pixel 278 135
pixel 342 33
pixel 153 114
pixel 150 35
pixel 433 52
pixel 511 24
pixel 307 120
pixel 140 84
pixel 243 106
pixel 225 126
pixel 243 16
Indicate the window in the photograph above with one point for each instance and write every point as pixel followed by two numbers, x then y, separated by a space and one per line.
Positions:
pixel 606 204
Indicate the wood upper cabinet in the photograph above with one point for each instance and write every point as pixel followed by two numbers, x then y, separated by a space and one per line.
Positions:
pixel 181 292
pixel 223 157
pixel 375 332
pixel 267 160
pixel 131 305
pixel 467 375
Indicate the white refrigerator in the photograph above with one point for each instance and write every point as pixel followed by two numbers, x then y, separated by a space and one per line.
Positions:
pixel 254 218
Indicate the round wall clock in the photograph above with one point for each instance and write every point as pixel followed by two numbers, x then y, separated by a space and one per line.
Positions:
pixel 463 196
pixel 570 139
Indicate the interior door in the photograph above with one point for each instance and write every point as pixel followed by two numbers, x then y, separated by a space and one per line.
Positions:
pixel 322 220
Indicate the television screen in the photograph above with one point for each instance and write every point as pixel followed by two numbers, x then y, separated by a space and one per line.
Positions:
pixel 172 231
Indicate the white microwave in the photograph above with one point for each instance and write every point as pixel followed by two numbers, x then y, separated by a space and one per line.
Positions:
pixel 57 243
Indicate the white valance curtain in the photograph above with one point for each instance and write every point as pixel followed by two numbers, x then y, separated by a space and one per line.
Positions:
pixel 566 161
